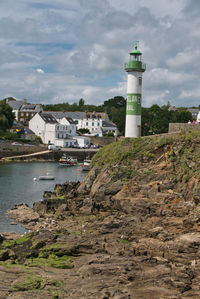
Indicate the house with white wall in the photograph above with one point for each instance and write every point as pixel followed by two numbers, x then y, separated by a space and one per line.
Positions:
pixel 69 123
pixel 97 123
pixel 51 131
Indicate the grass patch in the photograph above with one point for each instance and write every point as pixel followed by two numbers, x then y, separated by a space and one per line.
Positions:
pixel 23 239
pixel 122 151
pixel 64 262
pixel 20 240
pixel 35 282
pixel 124 241
pixel 7 244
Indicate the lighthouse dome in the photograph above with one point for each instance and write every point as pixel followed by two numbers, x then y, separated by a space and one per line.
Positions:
pixel 135 51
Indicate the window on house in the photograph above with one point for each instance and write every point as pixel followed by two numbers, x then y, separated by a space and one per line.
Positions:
pixel 92 124
pixel 86 123
pixel 98 124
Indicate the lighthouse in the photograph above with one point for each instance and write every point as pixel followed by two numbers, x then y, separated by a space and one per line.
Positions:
pixel 135 68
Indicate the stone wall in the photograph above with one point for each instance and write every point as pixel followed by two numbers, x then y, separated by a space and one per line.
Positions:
pixel 7 150
pixel 177 127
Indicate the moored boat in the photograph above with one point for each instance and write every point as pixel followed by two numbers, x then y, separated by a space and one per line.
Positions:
pixel 46 177
pixel 68 161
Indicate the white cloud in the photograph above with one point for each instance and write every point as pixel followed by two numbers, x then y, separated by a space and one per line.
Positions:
pixel 40 71
pixel 80 48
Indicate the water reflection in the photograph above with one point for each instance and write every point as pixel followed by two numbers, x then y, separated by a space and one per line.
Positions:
pixel 17 185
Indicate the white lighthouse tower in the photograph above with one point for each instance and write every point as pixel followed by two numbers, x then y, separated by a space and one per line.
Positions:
pixel 135 67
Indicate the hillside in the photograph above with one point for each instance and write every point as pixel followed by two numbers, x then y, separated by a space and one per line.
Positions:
pixel 131 229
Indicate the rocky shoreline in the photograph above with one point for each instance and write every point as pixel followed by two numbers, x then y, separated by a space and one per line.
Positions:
pixel 118 234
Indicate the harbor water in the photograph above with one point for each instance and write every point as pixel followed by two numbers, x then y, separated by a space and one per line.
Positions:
pixel 19 184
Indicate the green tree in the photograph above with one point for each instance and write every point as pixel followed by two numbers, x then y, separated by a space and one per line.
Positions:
pixel 184 116
pixel 6 116
pixel 81 102
pixel 155 120
pixel 116 110
pixel 84 130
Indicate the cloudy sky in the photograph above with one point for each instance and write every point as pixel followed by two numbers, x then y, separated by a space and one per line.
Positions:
pixel 64 50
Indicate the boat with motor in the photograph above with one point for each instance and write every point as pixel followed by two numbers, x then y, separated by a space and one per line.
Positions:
pixel 68 161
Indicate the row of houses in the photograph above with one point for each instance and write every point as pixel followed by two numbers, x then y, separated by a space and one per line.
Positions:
pixel 60 128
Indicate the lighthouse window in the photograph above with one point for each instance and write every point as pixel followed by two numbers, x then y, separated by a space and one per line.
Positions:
pixel 140 81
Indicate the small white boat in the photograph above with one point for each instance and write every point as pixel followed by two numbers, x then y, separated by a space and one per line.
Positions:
pixel 68 161
pixel 86 165
pixel 46 177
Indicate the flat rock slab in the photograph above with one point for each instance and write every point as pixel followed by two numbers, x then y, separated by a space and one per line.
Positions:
pixel 23 214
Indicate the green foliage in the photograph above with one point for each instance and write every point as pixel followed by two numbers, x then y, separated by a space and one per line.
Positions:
pixel 156 119
pixel 25 238
pixel 185 178
pixel 7 244
pixel 6 116
pixel 35 282
pixel 123 152
pixel 63 262
pixel 84 131
pixel 172 156
pixel 81 103
pixel 73 107
pixel 116 110
pixel 38 139
pixel 30 283
pixel 20 240
pixel 110 134
pixel 9 136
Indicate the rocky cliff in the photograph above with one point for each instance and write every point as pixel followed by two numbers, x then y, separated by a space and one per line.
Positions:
pixel 131 229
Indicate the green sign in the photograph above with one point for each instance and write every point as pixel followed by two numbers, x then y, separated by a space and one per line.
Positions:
pixel 133 105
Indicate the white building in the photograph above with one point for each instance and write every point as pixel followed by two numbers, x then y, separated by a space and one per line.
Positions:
pixel 97 123
pixel 51 131
pixel 70 125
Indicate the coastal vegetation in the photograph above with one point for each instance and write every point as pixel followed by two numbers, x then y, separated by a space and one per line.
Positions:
pixel 6 116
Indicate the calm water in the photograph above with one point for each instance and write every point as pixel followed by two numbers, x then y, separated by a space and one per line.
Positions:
pixel 17 185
